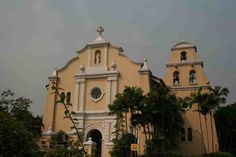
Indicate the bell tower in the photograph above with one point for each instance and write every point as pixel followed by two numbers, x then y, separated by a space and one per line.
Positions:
pixel 185 75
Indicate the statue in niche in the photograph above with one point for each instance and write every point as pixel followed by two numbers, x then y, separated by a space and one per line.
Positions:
pixel 97 57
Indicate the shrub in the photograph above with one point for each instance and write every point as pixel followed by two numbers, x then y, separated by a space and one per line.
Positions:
pixel 163 154
pixel 220 154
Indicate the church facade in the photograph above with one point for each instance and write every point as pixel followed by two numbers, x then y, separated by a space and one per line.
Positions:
pixel 100 70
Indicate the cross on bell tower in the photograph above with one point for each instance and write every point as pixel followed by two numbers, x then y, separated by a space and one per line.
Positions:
pixel 100 30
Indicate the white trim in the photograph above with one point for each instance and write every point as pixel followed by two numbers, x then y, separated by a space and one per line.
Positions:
pixel 97 75
pixel 113 90
pixel 108 93
pixel 174 64
pixel 93 127
pixel 187 88
pixel 89 57
pixel 82 88
pixel 112 78
pixel 105 55
pixel 76 96
pixel 80 80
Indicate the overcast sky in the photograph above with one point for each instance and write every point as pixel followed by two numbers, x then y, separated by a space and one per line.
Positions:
pixel 38 35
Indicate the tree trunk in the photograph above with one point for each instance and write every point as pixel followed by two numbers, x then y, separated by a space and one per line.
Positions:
pixel 145 132
pixel 212 134
pixel 149 132
pixel 208 147
pixel 126 122
pixel 202 139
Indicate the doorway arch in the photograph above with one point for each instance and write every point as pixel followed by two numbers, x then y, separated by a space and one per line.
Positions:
pixel 97 138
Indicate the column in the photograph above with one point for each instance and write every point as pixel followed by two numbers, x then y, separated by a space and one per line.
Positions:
pixel 76 97
pixel 81 94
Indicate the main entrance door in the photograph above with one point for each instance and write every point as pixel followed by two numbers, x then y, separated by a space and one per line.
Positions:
pixel 96 137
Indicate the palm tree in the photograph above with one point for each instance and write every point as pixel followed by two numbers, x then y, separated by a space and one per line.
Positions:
pixel 207 103
pixel 197 98
pixel 217 96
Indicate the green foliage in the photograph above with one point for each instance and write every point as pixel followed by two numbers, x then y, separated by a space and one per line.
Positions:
pixel 63 152
pixel 158 113
pixel 164 112
pixel 15 140
pixel 219 154
pixel 208 102
pixel 18 108
pixel 225 118
pixel 18 127
pixel 121 146
pixel 163 154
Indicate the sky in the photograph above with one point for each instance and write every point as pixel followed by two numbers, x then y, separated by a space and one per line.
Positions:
pixel 38 35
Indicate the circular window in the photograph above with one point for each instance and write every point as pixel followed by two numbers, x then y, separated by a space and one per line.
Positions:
pixel 96 93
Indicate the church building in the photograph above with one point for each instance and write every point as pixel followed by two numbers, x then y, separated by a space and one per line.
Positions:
pixel 100 70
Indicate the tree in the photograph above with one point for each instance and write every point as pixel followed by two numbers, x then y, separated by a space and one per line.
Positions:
pixel 158 113
pixel 217 96
pixel 130 101
pixel 207 102
pixel 225 118
pixel 18 108
pixel 121 146
pixel 163 109
pixel 15 140
pixel 19 129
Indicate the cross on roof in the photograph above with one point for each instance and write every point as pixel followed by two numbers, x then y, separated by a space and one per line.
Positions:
pixel 100 30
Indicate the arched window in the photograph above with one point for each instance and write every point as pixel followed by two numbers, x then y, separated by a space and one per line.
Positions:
pixel 68 95
pixel 183 56
pixel 192 76
pixel 182 134
pixel 63 96
pixel 97 57
pixel 176 77
pixel 190 134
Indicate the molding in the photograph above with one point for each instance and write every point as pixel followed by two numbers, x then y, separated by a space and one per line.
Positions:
pixel 97 75
pixel 68 63
pixel 94 115
pixel 112 78
pixel 94 45
pixel 143 72
pixel 181 88
pixel 186 47
pixel 80 80
pixel 92 127
pixel 53 78
pixel 175 64
pixel 137 63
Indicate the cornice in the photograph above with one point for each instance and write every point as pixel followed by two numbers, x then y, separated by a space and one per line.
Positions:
pixel 174 64
pixel 189 88
pixel 181 48
pixel 97 75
